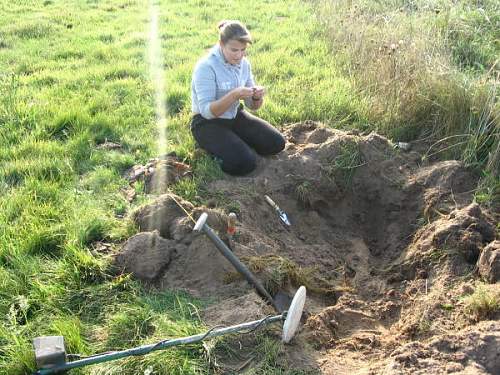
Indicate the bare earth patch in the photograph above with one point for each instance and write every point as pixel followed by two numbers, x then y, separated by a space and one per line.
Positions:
pixel 389 249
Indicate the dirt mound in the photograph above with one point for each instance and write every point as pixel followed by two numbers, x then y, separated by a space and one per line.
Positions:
pixel 245 308
pixel 165 215
pixel 194 263
pixel 145 255
pixel 472 350
pixel 384 243
pixel 460 236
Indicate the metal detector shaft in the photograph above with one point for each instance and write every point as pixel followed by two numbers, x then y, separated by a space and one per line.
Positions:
pixel 145 349
pixel 240 267
pixel 233 259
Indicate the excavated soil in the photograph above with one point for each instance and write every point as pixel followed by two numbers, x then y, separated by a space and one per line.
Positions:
pixel 388 246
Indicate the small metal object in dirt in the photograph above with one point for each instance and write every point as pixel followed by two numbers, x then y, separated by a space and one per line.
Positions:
pixel 405 146
pixel 282 215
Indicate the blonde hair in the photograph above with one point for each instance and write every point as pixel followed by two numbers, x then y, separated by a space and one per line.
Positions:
pixel 233 30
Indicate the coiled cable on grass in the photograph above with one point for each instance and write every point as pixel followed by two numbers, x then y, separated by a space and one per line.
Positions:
pixel 161 343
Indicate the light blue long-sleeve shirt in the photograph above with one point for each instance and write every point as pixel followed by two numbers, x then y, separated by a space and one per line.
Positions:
pixel 213 78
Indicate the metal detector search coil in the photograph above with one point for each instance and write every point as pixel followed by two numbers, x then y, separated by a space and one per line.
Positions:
pixel 293 315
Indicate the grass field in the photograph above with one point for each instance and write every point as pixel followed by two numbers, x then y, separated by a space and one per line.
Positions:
pixel 75 73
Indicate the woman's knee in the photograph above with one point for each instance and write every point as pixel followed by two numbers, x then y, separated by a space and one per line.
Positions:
pixel 275 144
pixel 279 143
pixel 241 165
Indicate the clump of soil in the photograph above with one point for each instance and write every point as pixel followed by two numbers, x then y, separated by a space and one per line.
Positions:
pixel 397 242
pixel 145 255
pixel 159 173
pixel 489 263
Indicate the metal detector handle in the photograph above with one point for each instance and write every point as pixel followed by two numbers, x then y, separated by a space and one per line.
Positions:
pixel 200 222
pixel 271 203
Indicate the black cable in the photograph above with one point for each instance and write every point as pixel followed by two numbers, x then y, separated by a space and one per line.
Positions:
pixel 257 326
pixel 79 356
pixel 261 322
pixel 154 347
pixel 165 341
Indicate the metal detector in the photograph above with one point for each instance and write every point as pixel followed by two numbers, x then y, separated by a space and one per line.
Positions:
pixel 51 357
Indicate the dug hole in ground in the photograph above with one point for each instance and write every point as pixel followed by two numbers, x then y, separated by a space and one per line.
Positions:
pixel 390 249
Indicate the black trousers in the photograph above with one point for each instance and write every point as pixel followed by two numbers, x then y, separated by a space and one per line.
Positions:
pixel 233 141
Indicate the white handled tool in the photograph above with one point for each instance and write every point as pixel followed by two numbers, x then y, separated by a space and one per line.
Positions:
pixel 282 215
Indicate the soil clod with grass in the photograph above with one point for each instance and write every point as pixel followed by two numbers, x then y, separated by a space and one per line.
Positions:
pixel 489 262
pixel 391 249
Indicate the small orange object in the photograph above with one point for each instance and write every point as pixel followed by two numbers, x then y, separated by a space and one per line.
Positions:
pixel 231 224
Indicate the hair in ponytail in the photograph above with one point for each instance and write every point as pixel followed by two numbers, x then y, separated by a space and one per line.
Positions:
pixel 233 30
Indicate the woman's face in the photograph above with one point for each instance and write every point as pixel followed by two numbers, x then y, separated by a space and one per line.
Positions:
pixel 233 51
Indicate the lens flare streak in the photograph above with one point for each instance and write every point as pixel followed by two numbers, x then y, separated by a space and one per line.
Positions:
pixel 157 76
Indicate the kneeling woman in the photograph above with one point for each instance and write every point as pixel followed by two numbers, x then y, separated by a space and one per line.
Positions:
pixel 220 124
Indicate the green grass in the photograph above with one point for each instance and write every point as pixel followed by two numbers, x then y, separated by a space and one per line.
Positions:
pixel 75 74
pixel 484 303
pixel 304 191
pixel 343 165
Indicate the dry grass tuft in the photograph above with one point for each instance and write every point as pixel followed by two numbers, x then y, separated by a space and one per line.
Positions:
pixel 278 272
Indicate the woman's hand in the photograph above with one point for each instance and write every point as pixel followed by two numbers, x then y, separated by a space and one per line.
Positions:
pixel 258 92
pixel 221 105
pixel 243 92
